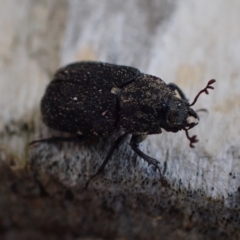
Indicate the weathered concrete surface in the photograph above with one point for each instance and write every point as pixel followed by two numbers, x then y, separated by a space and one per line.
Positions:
pixel 186 42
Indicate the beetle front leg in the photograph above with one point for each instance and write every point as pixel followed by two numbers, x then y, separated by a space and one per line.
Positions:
pixel 134 143
pixel 175 87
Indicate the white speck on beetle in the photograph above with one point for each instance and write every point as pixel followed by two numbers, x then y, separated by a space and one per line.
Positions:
pixel 75 98
pixel 115 90
pixel 104 113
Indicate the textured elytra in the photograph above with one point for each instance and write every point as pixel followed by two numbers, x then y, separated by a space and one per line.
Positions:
pixel 79 99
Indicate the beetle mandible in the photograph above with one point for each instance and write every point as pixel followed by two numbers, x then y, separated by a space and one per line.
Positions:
pixel 99 99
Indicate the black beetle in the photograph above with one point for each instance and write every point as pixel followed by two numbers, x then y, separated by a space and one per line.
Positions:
pixel 99 99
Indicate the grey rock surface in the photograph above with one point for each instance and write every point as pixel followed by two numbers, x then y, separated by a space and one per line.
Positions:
pixel 42 192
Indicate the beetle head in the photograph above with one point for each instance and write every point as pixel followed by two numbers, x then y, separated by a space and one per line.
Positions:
pixel 178 115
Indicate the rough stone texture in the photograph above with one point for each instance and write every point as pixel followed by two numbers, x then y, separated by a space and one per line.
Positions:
pixel 41 188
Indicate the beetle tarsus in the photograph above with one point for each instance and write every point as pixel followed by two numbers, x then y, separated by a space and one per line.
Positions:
pixel 149 160
pixel 134 143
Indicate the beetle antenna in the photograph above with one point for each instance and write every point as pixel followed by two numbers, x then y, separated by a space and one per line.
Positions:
pixel 192 139
pixel 204 90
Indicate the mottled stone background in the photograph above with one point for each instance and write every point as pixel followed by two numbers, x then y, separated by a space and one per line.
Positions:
pixel 41 188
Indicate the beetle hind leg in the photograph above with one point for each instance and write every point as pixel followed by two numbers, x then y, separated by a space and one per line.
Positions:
pixel 59 139
pixel 116 144
pixel 134 143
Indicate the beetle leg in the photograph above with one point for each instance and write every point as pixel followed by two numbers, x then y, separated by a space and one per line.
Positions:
pixel 116 144
pixel 134 143
pixel 202 110
pixel 175 87
pixel 59 139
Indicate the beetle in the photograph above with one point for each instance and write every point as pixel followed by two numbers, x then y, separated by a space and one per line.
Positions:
pixel 99 99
